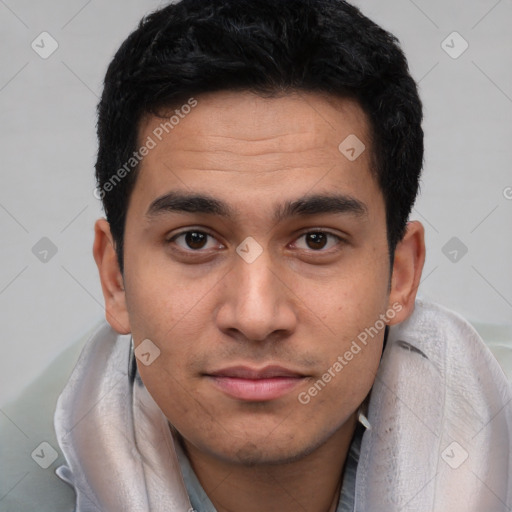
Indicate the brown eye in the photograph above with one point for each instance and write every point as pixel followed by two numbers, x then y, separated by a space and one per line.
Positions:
pixel 319 241
pixel 193 240
pixel 316 240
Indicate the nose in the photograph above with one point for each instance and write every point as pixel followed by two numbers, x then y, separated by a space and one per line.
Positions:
pixel 258 304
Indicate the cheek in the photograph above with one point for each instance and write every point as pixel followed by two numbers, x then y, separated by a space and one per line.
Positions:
pixel 161 300
pixel 354 312
pixel 177 397
pixel 333 396
pixel 351 301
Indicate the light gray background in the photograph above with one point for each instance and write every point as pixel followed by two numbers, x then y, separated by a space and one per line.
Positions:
pixel 48 147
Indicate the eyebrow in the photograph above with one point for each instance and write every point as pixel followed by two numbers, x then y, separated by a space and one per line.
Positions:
pixel 308 205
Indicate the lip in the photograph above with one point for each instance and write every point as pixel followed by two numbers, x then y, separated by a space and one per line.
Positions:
pixel 256 385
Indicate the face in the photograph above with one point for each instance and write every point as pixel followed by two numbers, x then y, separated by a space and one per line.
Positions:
pixel 255 255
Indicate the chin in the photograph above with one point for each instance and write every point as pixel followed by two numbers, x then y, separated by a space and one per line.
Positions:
pixel 256 448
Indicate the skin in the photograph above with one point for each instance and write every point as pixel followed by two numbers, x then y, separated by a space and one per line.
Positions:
pixel 298 305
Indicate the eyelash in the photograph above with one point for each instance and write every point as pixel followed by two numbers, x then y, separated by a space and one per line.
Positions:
pixel 315 231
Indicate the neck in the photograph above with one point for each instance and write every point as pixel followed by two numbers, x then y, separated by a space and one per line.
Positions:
pixel 312 483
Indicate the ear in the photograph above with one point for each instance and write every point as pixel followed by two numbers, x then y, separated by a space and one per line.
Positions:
pixel 407 268
pixel 112 282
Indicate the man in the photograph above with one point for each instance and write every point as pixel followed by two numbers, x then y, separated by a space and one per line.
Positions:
pixel 258 162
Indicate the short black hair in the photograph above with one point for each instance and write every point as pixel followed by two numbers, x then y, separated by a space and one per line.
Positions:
pixel 270 47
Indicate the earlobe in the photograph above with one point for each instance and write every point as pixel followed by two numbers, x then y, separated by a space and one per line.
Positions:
pixel 112 282
pixel 407 268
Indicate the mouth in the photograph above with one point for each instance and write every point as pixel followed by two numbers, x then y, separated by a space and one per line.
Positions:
pixel 256 385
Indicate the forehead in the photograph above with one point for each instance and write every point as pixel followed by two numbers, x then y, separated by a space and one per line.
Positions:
pixel 233 142
pixel 265 122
